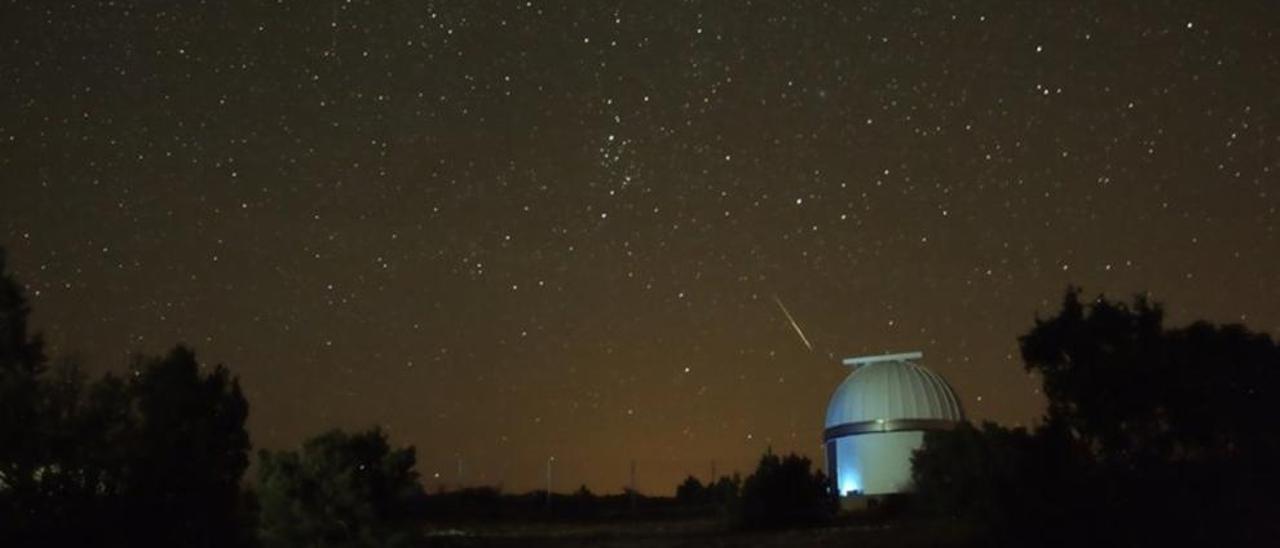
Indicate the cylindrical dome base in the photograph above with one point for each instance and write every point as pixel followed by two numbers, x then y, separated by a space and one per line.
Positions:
pixel 873 463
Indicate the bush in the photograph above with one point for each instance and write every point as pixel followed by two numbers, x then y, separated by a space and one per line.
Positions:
pixel 340 490
pixel 784 493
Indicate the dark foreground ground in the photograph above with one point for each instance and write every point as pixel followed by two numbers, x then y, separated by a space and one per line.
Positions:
pixel 692 533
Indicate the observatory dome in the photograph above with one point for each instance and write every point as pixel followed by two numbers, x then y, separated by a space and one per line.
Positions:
pixel 892 390
pixel 877 418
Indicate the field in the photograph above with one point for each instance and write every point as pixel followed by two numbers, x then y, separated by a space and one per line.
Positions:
pixel 691 533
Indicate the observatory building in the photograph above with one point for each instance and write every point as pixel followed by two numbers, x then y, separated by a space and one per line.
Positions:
pixel 878 416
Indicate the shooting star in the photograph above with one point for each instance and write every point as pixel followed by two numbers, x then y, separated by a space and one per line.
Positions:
pixel 794 325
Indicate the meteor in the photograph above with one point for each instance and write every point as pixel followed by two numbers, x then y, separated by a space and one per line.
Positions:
pixel 794 325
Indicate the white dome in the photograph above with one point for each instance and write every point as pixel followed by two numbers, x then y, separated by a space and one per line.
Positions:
pixel 878 417
pixel 892 390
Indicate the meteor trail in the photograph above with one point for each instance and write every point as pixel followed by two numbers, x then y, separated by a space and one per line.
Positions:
pixel 794 325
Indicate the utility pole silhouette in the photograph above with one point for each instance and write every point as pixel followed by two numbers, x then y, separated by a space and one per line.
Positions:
pixel 549 461
pixel 633 485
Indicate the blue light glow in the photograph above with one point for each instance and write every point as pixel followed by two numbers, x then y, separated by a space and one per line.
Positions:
pixel 850 481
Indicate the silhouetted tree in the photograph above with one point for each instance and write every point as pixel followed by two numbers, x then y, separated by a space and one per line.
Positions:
pixel 86 443
pixel 1137 393
pixel 191 449
pixel 783 492
pixel 152 460
pixel 725 490
pixel 23 448
pixel 1016 486
pixel 340 490
pixel 582 504
pixel 691 491
pixel 1151 435
pixel 961 470
pixel 55 458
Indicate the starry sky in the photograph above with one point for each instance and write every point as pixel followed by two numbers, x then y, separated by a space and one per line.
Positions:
pixel 510 231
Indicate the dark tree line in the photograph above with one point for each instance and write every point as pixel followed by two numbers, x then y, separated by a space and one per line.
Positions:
pixel 782 492
pixel 153 458
pixel 156 458
pixel 1153 436
pixel 721 493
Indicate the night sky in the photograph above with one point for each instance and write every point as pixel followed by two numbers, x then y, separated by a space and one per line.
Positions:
pixel 513 230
